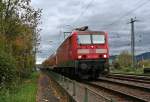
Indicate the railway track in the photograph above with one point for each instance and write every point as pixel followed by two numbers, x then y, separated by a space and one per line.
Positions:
pixel 122 90
pixel 135 78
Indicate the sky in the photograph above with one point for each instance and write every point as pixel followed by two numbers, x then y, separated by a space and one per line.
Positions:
pixel 112 16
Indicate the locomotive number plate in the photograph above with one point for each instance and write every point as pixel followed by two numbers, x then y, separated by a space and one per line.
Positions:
pixel 92 50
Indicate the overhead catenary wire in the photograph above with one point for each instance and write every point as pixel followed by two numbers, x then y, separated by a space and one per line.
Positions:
pixel 84 11
pixel 114 22
pixel 126 14
pixel 139 4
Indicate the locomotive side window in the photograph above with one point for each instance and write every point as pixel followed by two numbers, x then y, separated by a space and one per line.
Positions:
pixel 98 39
pixel 84 39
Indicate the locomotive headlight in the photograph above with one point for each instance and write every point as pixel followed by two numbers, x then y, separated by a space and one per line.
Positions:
pixel 79 57
pixel 105 56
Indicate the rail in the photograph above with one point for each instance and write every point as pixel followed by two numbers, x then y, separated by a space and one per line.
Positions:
pixel 79 92
pixel 142 79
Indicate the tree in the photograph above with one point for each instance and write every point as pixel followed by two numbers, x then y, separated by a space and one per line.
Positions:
pixel 7 69
pixel 124 59
pixel 19 34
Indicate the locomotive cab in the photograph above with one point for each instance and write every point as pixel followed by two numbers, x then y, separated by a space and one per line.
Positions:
pixel 92 54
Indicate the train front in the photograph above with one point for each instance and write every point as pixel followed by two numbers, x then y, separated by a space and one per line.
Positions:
pixel 92 54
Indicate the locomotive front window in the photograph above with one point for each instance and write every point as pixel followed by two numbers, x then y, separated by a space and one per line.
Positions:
pixel 84 39
pixel 98 39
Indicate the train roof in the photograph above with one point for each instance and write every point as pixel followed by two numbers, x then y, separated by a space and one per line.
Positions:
pixel 89 31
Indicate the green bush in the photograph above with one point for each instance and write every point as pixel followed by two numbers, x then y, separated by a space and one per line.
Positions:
pixel 144 63
pixel 7 69
pixel 24 92
pixel 124 59
pixel 116 65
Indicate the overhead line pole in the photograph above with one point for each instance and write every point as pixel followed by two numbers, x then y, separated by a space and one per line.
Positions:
pixel 133 41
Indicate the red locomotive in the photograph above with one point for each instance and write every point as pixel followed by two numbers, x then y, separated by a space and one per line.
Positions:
pixel 84 54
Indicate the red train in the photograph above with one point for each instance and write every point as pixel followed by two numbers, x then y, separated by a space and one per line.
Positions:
pixel 84 54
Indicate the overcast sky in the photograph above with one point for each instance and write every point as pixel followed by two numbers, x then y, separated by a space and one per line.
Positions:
pixel 111 16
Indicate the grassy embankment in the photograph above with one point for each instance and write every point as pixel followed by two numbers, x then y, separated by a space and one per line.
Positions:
pixel 129 70
pixel 25 91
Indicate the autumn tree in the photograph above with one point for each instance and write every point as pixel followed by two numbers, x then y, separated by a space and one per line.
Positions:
pixel 124 59
pixel 19 34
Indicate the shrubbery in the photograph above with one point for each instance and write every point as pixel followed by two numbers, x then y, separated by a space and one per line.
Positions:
pixel 7 69
pixel 144 63
pixel 19 35
pixel 123 60
pixel 122 64
pixel 116 65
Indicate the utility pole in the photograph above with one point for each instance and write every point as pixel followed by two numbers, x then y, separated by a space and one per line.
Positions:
pixel 133 41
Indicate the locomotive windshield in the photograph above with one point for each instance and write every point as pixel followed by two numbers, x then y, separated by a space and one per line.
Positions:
pixel 84 39
pixel 98 39
pixel 91 39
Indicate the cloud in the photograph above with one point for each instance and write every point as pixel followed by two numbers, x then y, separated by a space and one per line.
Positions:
pixel 106 15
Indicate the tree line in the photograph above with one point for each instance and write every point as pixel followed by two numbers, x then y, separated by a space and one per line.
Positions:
pixel 124 62
pixel 19 36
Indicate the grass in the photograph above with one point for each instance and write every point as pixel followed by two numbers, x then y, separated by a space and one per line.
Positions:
pixel 128 70
pixel 25 92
